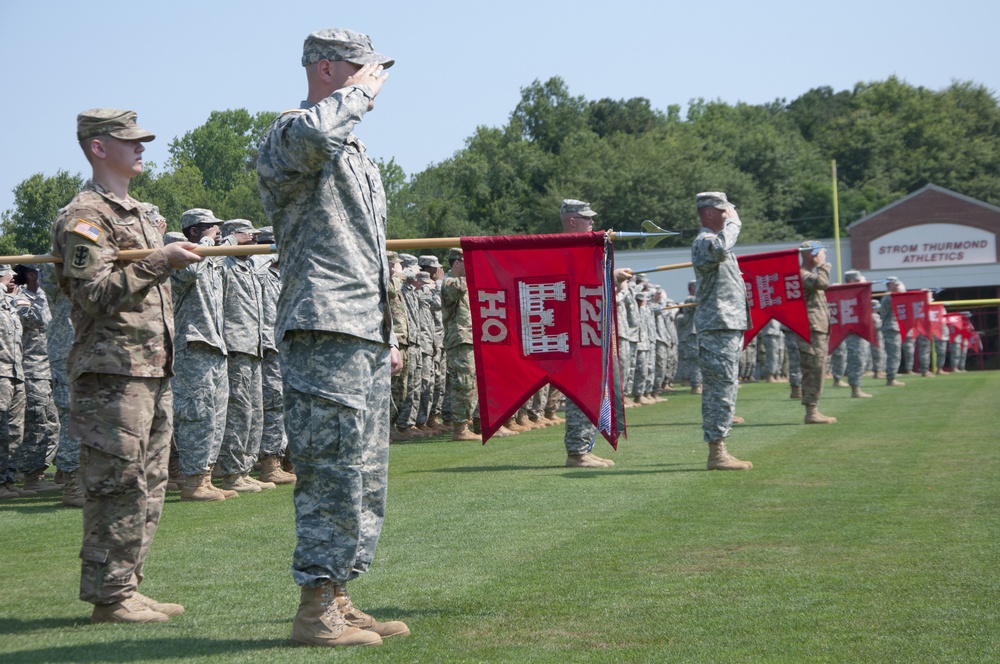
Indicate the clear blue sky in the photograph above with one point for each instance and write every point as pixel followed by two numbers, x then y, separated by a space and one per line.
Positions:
pixel 458 64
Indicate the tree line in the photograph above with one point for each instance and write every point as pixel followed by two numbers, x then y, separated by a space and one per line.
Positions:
pixel 630 160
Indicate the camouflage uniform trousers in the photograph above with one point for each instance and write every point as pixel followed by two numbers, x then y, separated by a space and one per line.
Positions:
pixel 857 352
pixel 690 368
pixel 772 355
pixel 41 426
pixel 244 416
pixel 923 353
pixel 440 378
pixel 462 379
pixel 426 403
pixel 545 400
pixel 626 364
pixel 399 385
pixel 68 455
pixel 640 384
pixel 201 401
pixel 941 351
pixel 661 366
pixel 878 353
pixel 838 361
pixel 893 352
pixel 123 425
pixel 580 433
pixel 12 406
pixel 719 359
pixel 411 403
pixel 813 357
pixel 908 353
pixel 748 361
pixel 337 416
pixel 273 441
pixel 794 360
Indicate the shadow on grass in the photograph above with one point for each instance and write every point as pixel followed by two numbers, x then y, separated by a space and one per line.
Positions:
pixel 144 650
pixel 34 505
pixel 572 472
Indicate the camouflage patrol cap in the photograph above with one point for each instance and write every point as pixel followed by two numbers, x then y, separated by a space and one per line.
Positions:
pixel 238 226
pixel 342 44
pixel 428 261
pixel 392 257
pixel 425 277
pixel 456 254
pixel 5 270
pixel 174 236
pixel 892 280
pixel 716 199
pixel 110 122
pixel 196 216
pixel 641 296
pixel 813 246
pixel 411 271
pixel 575 207
pixel 408 260
pixel 693 282
pixel 265 235
pixel 852 276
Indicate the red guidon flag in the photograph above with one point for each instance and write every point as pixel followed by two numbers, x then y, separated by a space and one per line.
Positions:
pixel 935 320
pixel 538 310
pixel 774 290
pixel 910 308
pixel 850 312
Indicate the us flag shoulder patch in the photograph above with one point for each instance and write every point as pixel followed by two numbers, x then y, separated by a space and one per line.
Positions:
pixel 87 230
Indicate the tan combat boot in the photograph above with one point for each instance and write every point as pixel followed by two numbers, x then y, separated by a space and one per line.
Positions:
pixel 719 458
pixel 813 416
pixel 195 487
pixel 36 482
pixel 796 392
pixel 856 393
pixel 355 617
pixel 738 420
pixel 696 389
pixel 263 485
pixel 175 478
pixel 586 460
pixel 504 432
pixel 239 484
pixel 552 417
pixel 772 378
pixel 839 382
pixel 892 382
pixel 512 425
pixel 73 489
pixel 270 471
pixel 166 608
pixel 319 622
pixel 460 431
pixel 129 610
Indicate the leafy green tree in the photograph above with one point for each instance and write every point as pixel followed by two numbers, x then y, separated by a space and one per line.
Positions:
pixel 27 229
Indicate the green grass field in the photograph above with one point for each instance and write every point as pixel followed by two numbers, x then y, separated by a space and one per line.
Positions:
pixel 872 540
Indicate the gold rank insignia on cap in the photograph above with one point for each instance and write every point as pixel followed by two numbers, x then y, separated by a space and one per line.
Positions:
pixel 88 230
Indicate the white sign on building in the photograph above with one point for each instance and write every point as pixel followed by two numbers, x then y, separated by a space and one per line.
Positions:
pixel 933 245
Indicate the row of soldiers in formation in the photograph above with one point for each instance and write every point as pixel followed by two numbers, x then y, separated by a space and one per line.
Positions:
pixel 228 416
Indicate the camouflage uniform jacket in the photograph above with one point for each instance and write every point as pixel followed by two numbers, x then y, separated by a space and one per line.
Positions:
pixel 436 314
pixel 415 322
pixel 456 312
pixel 722 299
pixel 122 311
pixel 35 317
pixel 889 322
pixel 628 314
pixel 815 284
pixel 11 333
pixel 270 282
pixel 397 307
pixel 647 328
pixel 60 330
pixel 324 197
pixel 198 302
pixel 684 322
pixel 242 307
pixel 666 332
pixel 425 297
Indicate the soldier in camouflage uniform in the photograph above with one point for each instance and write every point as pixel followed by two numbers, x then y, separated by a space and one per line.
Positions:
pixel 433 397
pixel 12 395
pixel 687 341
pixel 794 363
pixel 458 345
pixel 642 384
pixel 666 341
pixel 407 420
pixel 628 337
pixel 273 441
pixel 201 379
pixel 890 333
pixel 770 339
pixel 838 365
pixel 242 328
pixel 577 217
pixel 857 350
pixel 877 350
pixel 815 273
pixel 119 366
pixel 60 338
pixel 401 326
pixel 325 199
pixel 41 419
pixel 721 317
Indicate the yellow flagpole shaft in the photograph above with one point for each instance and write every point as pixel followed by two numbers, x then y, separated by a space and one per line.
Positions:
pixel 836 224
pixel 968 303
